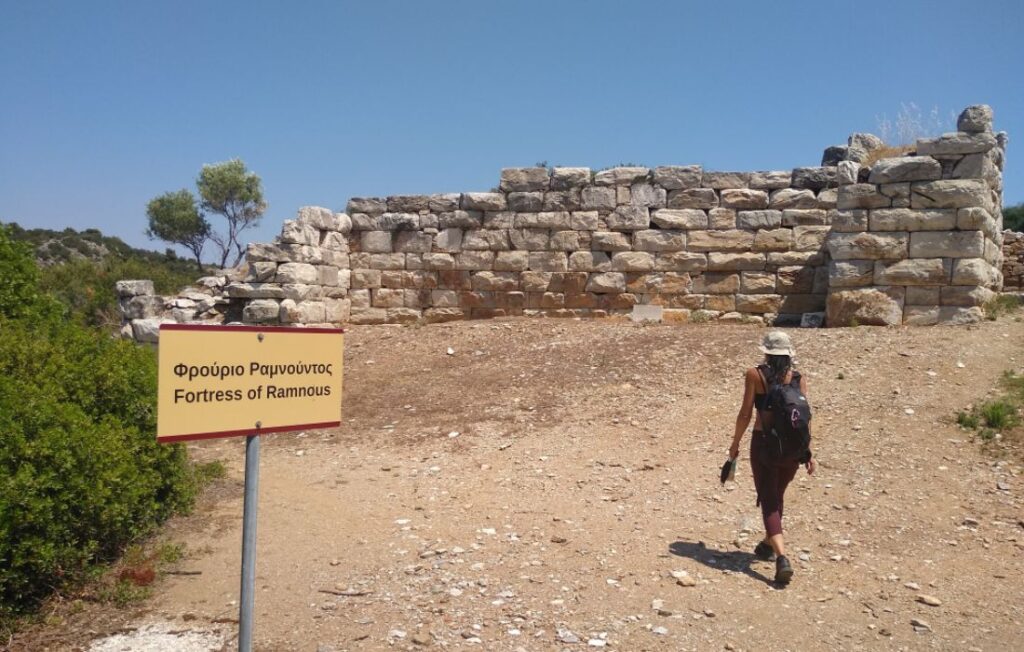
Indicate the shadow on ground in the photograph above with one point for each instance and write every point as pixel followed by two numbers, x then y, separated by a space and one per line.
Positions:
pixel 734 560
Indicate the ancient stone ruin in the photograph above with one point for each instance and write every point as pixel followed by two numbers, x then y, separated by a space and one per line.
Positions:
pixel 875 235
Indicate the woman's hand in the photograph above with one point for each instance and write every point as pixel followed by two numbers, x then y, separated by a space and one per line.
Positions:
pixel 811 466
pixel 734 451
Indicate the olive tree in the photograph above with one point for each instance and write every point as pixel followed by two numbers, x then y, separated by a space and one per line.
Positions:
pixel 175 218
pixel 230 190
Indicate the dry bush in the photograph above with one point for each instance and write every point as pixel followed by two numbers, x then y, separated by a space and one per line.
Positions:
pixel 888 151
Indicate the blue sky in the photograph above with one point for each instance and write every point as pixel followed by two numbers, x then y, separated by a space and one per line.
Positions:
pixel 107 104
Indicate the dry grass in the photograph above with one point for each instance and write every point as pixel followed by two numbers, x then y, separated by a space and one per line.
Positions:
pixel 887 151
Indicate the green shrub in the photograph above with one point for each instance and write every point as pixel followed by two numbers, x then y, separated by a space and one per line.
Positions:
pixel 967 420
pixel 998 414
pixel 19 281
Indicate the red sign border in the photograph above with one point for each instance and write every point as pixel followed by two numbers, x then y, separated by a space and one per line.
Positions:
pixel 249 329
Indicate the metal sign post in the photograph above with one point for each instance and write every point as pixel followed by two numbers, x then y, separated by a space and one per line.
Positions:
pixel 247 602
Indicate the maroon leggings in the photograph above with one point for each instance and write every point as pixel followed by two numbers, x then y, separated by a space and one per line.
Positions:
pixel 770 480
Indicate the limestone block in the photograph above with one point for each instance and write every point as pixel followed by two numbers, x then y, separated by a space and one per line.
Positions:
pixel 362 316
pixel 558 220
pixel 524 179
pixel 757 282
pixel 564 241
pixel 828 197
pixel 597 198
pixel 810 238
pixel 448 240
pixel 257 272
pixel 262 252
pixel 758 303
pixel 589 261
pixel 861 195
pixel 294 232
pixel 978 166
pixel 334 241
pixel 632 261
pixel 868 246
pixel 905 168
pixel 680 261
pixel 461 220
pixel 716 283
pixel 296 273
pixel 366 222
pixel 142 307
pixel 485 239
pixel 525 202
pixel 721 261
pixel 898 194
pixel 412 242
pixel 444 298
pixel 797 279
pixel 726 240
pixel 439 315
pixel 922 295
pixel 759 219
pixel 659 240
pixel 568 282
pixel 792 198
pixel 403 315
pixel 920 315
pixel 606 283
pixel 646 194
pixel 658 283
pixel 339 259
pixel 850 273
pixel 375 241
pixel 566 178
pixel 549 261
pixel 956 316
pixel 474 260
pixel 974 119
pixel 913 271
pixel 387 261
pixel 723 180
pixel 529 239
pixel 562 200
pixel 950 193
pixel 678 177
pixel 433 261
pixel 773 240
pixel 395 221
pixel 702 198
pixel 302 312
pixel 623 176
pixel 444 202
pixel 511 261
pixel 975 271
pixel 715 305
pixel 847 172
pixel 745 199
pixel 532 281
pixel 685 218
pixel 145 287
pixel 499 219
pixel 948 244
pixel 584 220
pixel 956 143
pixel 254 291
pixel 484 201
pixel 388 298
pixel 878 306
pixel 302 253
pixel 993 253
pixel 721 218
pixel 408 203
pixel 770 180
pixel 366 278
pixel 964 295
pixel 366 205
pixel 486 281
pixel 906 219
pixel 814 178
pixel 327 275
pixel 336 311
pixel 359 298
pixel 259 311
pixel 629 218
pixel 848 221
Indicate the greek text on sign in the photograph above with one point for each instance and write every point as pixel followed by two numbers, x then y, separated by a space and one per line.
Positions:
pixel 222 381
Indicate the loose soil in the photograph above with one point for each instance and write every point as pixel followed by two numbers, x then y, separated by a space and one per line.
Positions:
pixel 557 481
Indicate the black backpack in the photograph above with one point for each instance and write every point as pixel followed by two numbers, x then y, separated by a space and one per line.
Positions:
pixel 786 418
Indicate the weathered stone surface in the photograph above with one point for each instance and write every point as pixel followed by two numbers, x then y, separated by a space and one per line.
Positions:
pixel 461 220
pixel 920 315
pixel 680 261
pixel 337 311
pixel 327 275
pixel 365 279
pixel 956 143
pixel 922 295
pixel 810 238
pixel 366 222
pixel 609 241
pixel 913 271
pixel 758 303
pixel 797 279
pixel 363 316
pixel 905 168
pixel 408 203
pixel 646 194
pixel 880 306
pixel 975 119
pixel 833 155
pixel 584 220
pixel 524 179
pixel 598 198
pixel 861 195
pixel 848 221
pixel 484 201
pixel 525 201
pixel 412 242
pixel 487 281
pixel 432 261
pixel 955 316
pixel 629 218
pixel 867 246
pixel 757 283
pixel 678 177
pixel 336 241
pixel 898 194
pixel 296 273
pixel 978 166
pixel 963 295
pixel 792 198
pixel 744 199
pixel 375 241
pixel 767 219
pixel 474 260
pixel 773 240
pixel 261 311
pixel 566 178
pixel 847 172
pixel 444 202
pixel 589 261
pixel 950 193
pixel 142 306
pixel 387 261
pixel 659 240
pixel 731 262
pixel 948 244
pixel 607 282
pixel 814 178
pixel 770 180
pixel 530 239
pixel 302 312
pixel 262 252
pixel 723 180
pixel 448 240
pixel 716 283
pixel 702 198
pixel 906 219
pixel 255 272
pixel 480 239
pixel 561 200
pixel 975 271
pixel 564 241
pixel 366 205
pixel 680 218
pixel 632 261
pixel 558 220
pixel 135 288
pixel 725 240
pixel 623 176
pixel 828 198
pixel 549 261
pixel 324 219
pixel 722 218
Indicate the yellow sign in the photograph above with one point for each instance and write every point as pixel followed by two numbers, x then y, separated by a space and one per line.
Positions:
pixel 223 381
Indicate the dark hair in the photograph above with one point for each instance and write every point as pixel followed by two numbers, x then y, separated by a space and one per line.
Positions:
pixel 778 365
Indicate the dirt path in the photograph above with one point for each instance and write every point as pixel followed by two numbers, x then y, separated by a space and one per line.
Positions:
pixel 584 474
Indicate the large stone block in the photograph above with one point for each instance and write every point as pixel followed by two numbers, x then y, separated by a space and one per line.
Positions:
pixel 731 262
pixel 444 202
pixel 913 271
pixel 828 198
pixel 610 241
pixel 474 260
pixel 744 199
pixel 432 261
pixel 964 295
pixel 564 241
pixel 810 238
pixel 549 261
pixel 629 218
pixel 723 180
pixel 296 273
pixel 770 180
pixel 255 272
pixel 524 179
pixel 975 119
pixel 905 168
pixel 867 246
pixel 783 258
pixel 589 261
pixel 584 220
pixel 758 303
pixel 956 143
pixel 254 291
pixel 658 283
pixel 334 241
pixel 685 218
pixel 623 176
pixel 722 218
pixel 957 316
pixel 262 252
pixel 659 240
pixel 947 244
pixel 797 279
pixel 375 241
pixel 979 166
pixel 702 198
pixel 607 283
pixel 922 295
pixel 395 221
pixel 632 261
pixel 461 220
pixel 530 239
pixel 757 282
pixel 566 178
pixel 847 172
pixel 726 240
pixel 448 240
pixel 487 281
pixel 678 177
pixel 907 219
pixel 261 311
pixel 792 198
pixel 144 287
pixel 365 316
pixel 295 232
pixel 557 220
pixel 680 261
pixel 879 306
pixel 408 203
pixel 716 283
pixel 412 242
pixel 511 261
pixel 850 273
pixel 773 240
pixel 848 221
pixel 597 198
pixel 561 200
pixel 770 219
pixel 861 195
pixel 815 178
pixel 484 201
pixel 975 271
pixel 387 261
pixel 950 193
pixel 366 205
pixel 523 202
pixel 302 312
pixel 646 194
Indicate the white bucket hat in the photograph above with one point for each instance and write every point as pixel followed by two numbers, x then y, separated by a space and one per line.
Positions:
pixel 777 343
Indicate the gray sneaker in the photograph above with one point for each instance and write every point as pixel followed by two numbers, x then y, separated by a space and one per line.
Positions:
pixel 783 570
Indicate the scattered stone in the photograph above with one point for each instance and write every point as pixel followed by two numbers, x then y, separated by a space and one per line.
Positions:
pixel 929 600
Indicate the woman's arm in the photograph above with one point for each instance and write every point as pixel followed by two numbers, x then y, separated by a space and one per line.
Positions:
pixel 746 411
pixel 811 465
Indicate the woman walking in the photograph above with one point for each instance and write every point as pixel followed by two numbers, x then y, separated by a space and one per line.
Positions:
pixel 772 471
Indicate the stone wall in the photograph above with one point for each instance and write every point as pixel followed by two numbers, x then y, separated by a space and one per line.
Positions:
pixel 913 238
pixel 1013 261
